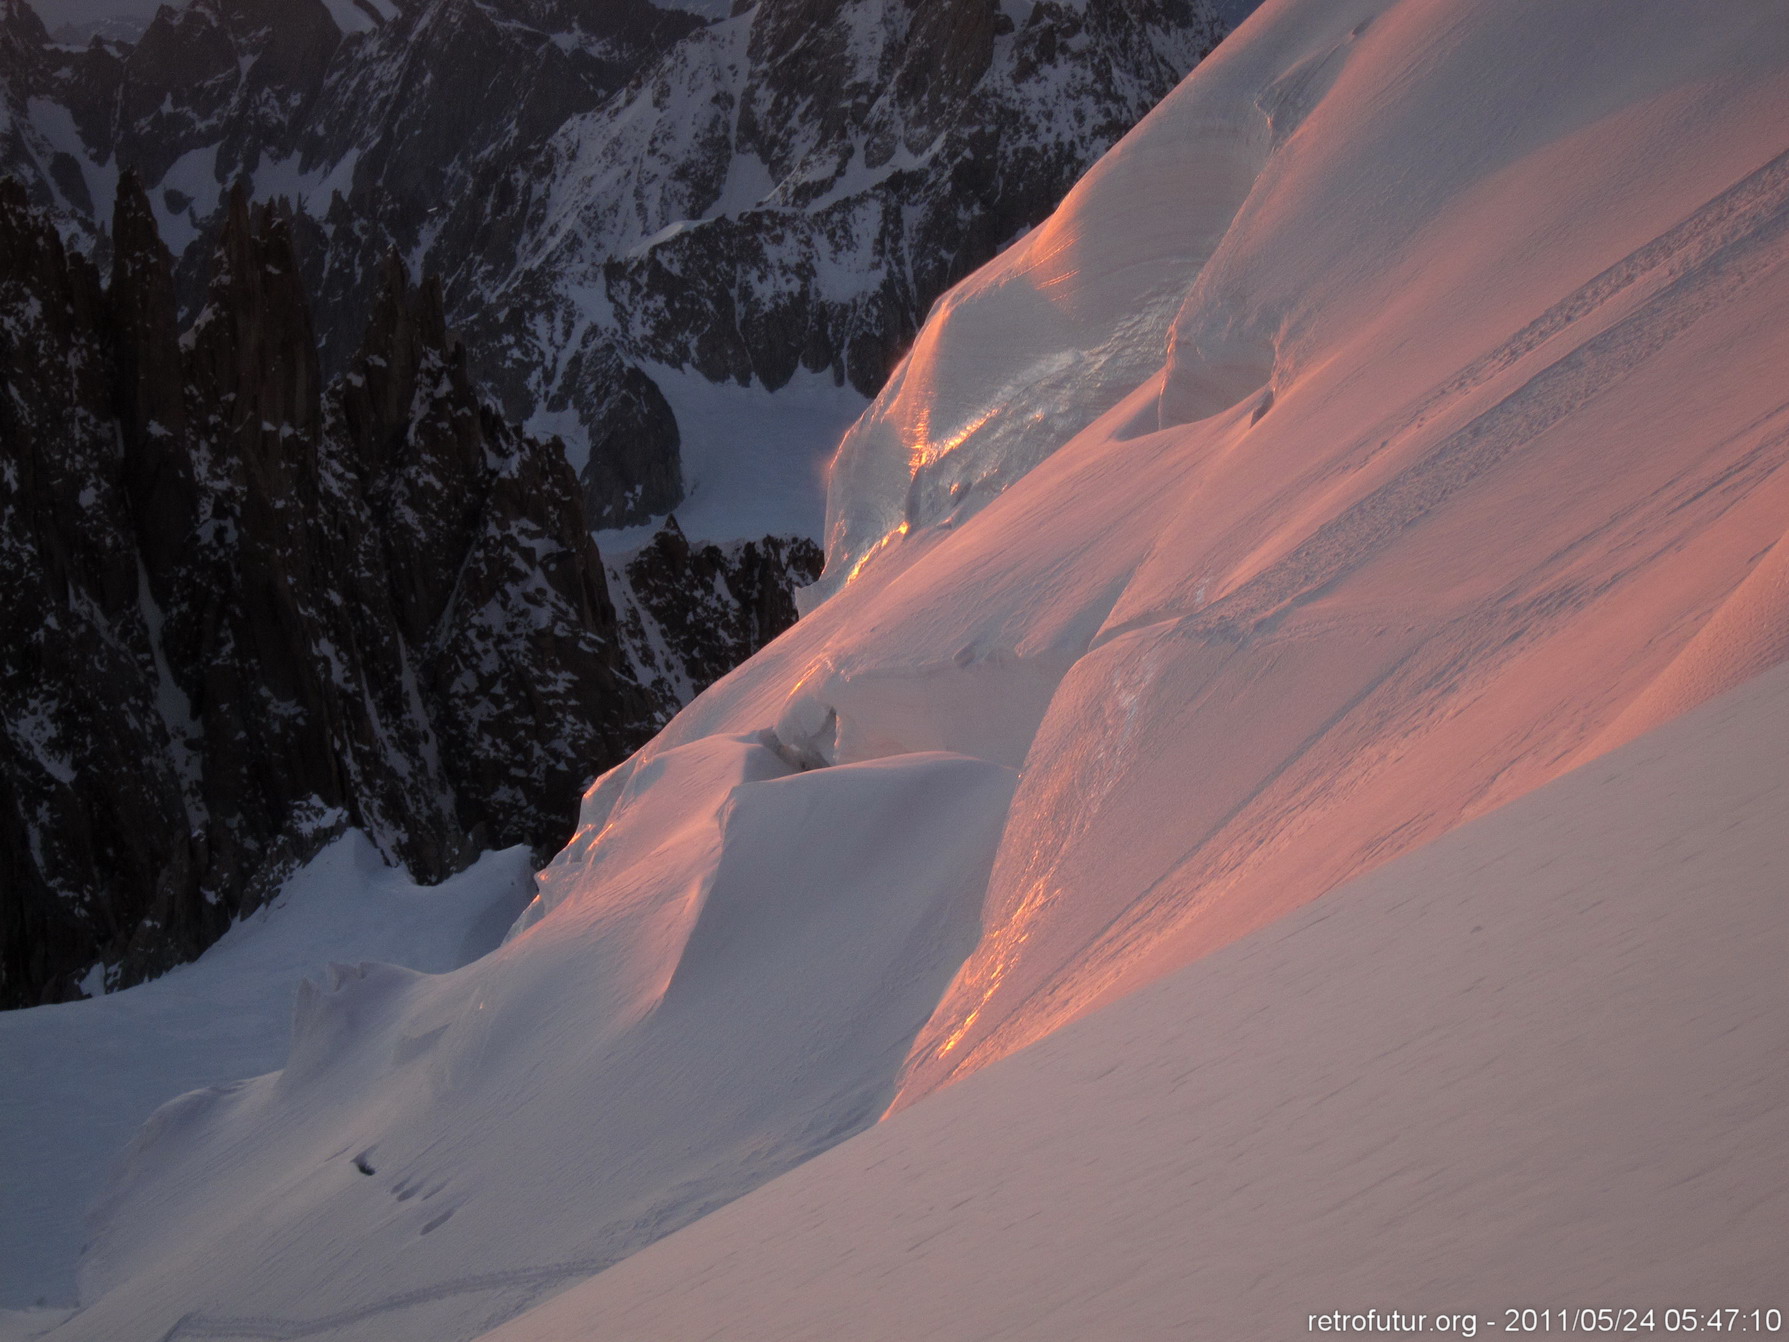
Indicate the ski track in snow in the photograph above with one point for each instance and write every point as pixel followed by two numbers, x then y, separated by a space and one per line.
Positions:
pixel 1704 263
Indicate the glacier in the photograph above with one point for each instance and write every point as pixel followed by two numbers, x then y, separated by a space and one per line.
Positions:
pixel 1530 1062
pixel 1388 427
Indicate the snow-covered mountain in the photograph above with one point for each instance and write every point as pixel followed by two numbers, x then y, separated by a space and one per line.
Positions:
pixel 688 242
pixel 1388 426
pixel 611 192
pixel 244 612
pixel 99 1068
pixel 119 28
pixel 1421 439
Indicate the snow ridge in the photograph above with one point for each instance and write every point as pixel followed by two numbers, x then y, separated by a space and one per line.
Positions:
pixel 1379 432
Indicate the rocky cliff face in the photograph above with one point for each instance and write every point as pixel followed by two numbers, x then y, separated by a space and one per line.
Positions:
pixel 606 190
pixel 280 568
pixel 691 613
pixel 793 188
pixel 94 792
pixel 247 612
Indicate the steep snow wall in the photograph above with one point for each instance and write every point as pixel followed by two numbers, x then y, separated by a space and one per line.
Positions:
pixel 1416 479
pixel 1366 437
pixel 1536 1061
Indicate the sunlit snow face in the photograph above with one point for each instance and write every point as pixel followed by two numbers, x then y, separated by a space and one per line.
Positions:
pixel 924 449
pixel 875 550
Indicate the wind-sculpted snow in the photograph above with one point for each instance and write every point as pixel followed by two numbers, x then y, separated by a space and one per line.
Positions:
pixel 1487 436
pixel 1537 1060
pixel 1391 423
pixel 98 1068
pixel 1516 444
pixel 701 998
pixel 1040 343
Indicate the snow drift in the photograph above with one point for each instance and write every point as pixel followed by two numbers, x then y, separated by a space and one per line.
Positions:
pixel 719 991
pixel 1392 422
pixel 1532 1065
pixel 83 1076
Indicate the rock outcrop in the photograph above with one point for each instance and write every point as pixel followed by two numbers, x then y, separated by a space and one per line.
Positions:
pixel 606 189
pixel 691 613
pixel 275 565
pixel 247 612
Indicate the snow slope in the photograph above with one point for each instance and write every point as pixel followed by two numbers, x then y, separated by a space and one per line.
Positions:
pixel 1536 1064
pixel 1457 437
pixel 754 461
pixel 1391 423
pixel 83 1076
pixel 706 1005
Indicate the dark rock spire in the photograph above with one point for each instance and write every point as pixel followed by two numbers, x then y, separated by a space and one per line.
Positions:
pixel 245 612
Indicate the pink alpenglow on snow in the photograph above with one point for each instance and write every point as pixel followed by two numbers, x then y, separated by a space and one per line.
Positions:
pixel 1393 423
pixel 1534 1065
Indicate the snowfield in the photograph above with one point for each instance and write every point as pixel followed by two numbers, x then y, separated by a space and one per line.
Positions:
pixel 97 1069
pixel 1535 1064
pixel 754 461
pixel 701 1006
pixel 1392 424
